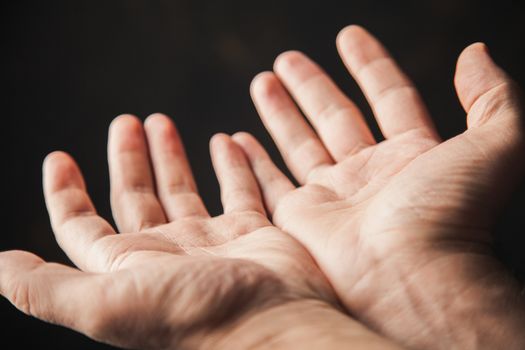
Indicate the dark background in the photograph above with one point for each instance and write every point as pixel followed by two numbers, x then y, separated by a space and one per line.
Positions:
pixel 72 66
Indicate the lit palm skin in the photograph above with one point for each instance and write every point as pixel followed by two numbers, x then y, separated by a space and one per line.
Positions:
pixel 175 278
pixel 401 228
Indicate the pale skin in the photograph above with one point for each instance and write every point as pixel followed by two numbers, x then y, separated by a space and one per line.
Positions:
pixel 175 278
pixel 401 228
pixel 397 232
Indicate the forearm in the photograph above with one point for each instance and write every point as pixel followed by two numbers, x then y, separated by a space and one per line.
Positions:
pixel 458 301
pixel 482 308
pixel 303 324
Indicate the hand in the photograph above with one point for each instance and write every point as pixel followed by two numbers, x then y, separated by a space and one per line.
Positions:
pixel 401 228
pixel 175 277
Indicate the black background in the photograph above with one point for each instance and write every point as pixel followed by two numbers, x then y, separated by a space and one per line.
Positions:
pixel 70 67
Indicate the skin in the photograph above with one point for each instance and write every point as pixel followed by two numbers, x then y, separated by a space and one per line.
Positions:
pixel 175 278
pixel 401 228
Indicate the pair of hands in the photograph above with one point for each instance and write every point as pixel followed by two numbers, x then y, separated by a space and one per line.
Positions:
pixel 396 233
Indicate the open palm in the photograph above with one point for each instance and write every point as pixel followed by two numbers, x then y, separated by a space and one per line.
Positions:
pixel 174 277
pixel 399 227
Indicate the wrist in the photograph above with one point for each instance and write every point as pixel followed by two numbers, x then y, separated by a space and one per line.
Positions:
pixel 307 324
pixel 463 297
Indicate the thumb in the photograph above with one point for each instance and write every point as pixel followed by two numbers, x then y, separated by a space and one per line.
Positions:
pixel 484 89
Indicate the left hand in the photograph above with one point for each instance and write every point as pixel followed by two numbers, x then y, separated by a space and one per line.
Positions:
pixel 175 277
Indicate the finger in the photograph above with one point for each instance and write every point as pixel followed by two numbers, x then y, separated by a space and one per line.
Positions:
pixel 394 99
pixel 299 145
pixel 272 182
pixel 336 118
pixel 484 89
pixel 239 190
pixel 133 201
pixel 51 292
pixel 73 217
pixel 175 184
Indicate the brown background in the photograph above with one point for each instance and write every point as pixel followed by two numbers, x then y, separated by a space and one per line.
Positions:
pixel 72 66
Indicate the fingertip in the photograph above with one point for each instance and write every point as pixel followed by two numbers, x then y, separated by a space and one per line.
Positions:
pixel 287 60
pixel 471 53
pixel 60 170
pixel 125 118
pixel 476 73
pixel 267 90
pixel 242 136
pixel 126 133
pixel 351 36
pixel 480 46
pixel 59 163
pixel 158 115
pixel 226 150
pixel 126 124
pixel 357 46
pixel 219 138
pixel 160 130
pixel 157 119
pixel 475 47
pixel 218 143
pixel 262 76
pixel 245 140
pixel 263 83
pixel 56 156
pixel 349 31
